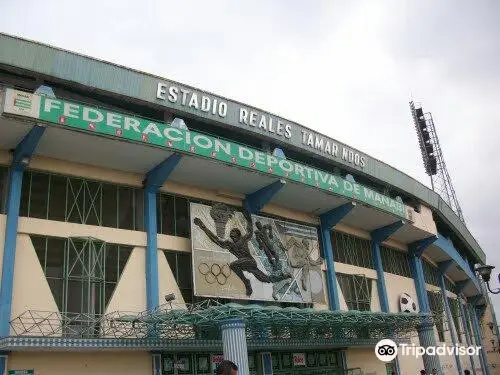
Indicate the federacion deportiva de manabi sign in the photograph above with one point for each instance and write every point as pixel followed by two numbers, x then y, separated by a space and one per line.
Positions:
pixel 118 125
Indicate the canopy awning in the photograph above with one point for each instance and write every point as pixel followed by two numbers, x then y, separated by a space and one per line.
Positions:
pixel 202 321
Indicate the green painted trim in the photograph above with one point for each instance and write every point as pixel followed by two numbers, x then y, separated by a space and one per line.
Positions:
pixel 120 126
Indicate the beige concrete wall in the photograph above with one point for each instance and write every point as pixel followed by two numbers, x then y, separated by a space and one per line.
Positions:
pixel 411 364
pixel 130 292
pixel 355 270
pixel 396 285
pixel 489 335
pixel 111 235
pixel 365 359
pixel 74 363
pixel 424 220
pixel 31 290
pixel 448 365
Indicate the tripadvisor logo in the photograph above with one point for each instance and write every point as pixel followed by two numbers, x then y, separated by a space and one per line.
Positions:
pixel 386 350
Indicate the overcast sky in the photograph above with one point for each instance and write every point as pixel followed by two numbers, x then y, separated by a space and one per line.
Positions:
pixel 344 68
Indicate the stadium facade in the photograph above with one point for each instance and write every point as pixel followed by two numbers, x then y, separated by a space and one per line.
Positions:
pixel 151 227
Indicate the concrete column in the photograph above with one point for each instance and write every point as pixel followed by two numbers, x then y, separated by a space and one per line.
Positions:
pixel 234 343
pixel 382 290
pixel 427 338
pixel 451 322
pixel 150 223
pixel 426 330
pixel 3 364
pixel 479 340
pixel 333 296
pixel 468 337
pixel 156 364
pixel 9 252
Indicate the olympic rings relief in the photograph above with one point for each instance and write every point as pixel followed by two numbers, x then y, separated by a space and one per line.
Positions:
pixel 215 273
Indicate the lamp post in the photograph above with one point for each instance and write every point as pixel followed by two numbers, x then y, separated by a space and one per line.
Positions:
pixel 485 273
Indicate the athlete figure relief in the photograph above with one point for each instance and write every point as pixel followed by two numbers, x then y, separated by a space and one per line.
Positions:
pixel 264 237
pixel 299 255
pixel 238 246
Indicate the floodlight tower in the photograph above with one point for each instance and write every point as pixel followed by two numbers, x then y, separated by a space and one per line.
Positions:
pixel 432 157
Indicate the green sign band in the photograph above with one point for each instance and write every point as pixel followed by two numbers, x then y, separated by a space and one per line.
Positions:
pixel 104 122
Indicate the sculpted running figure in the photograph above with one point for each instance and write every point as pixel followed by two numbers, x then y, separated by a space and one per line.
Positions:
pixel 264 237
pixel 238 246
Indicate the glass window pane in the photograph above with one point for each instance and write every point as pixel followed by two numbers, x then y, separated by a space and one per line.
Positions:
pixel 109 205
pixel 57 198
pixel 76 199
pixel 187 295
pixel 108 292
pixel 39 195
pixel 125 208
pixel 77 259
pixel 125 252
pixel 25 195
pixel 56 286
pixel 139 209
pixel 39 243
pixel 92 203
pixel 184 271
pixel 74 295
pixel 182 217
pixel 96 298
pixel 167 214
pixel 55 257
pixel 172 262
pixel 111 263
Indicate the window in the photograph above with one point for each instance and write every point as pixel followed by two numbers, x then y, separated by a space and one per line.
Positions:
pixel 351 250
pixel 455 314
pixel 76 200
pixel 173 215
pixel 4 176
pixel 431 273
pixel 180 264
pixel 82 273
pixel 395 261
pixel 356 290
pixel 450 287
pixel 437 309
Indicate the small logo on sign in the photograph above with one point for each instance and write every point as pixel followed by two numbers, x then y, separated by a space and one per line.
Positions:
pixel 386 350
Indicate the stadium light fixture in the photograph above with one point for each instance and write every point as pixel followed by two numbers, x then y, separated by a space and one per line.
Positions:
pixel 179 124
pixel 278 152
pixel 485 273
pixel 169 298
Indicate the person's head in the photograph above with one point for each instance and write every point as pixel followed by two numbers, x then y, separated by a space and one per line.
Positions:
pixel 434 371
pixel 226 368
pixel 466 372
pixel 306 243
pixel 235 234
pixel 423 372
